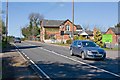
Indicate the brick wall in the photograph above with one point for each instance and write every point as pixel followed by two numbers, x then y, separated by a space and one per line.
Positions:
pixel 70 24
pixel 57 32
pixel 66 37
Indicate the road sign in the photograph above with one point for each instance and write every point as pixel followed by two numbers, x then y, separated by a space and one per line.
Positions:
pixel 107 38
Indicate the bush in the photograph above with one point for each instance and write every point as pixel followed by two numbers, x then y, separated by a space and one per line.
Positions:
pixel 80 38
pixel 69 41
pixel 76 37
pixel 23 39
pixel 47 36
pixel 98 39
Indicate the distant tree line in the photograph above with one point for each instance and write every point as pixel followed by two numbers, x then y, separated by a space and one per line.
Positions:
pixel 2 27
pixel 2 30
pixel 2 34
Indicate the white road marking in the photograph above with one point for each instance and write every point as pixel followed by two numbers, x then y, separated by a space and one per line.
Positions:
pixel 77 61
pixel 32 63
pixel 40 69
pixel 19 52
pixel 21 55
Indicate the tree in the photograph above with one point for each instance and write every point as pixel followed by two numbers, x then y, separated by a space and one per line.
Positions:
pixel 26 32
pixel 35 19
pixel 98 38
pixel 2 27
pixel 2 23
pixel 33 29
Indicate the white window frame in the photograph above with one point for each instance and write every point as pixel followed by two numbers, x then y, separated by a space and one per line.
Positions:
pixel 67 27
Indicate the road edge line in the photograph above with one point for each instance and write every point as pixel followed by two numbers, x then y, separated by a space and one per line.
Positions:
pixel 31 62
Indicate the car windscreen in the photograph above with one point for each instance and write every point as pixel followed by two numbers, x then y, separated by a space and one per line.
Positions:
pixel 88 44
pixel 17 38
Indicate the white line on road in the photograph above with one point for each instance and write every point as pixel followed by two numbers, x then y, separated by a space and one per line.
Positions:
pixel 40 69
pixel 32 62
pixel 19 52
pixel 77 61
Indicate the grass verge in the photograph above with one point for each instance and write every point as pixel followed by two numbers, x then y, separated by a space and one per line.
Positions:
pixel 61 44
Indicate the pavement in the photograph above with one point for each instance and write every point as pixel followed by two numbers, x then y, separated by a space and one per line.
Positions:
pixel 56 63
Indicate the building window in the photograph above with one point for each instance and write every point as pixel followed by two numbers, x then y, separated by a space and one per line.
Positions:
pixel 67 28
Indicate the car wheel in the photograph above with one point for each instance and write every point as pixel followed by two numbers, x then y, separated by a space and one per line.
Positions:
pixel 71 52
pixel 83 55
pixel 103 58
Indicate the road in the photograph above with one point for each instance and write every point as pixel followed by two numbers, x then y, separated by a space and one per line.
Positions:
pixel 55 62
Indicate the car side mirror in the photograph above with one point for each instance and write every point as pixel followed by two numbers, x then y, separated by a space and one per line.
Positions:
pixel 97 45
pixel 79 46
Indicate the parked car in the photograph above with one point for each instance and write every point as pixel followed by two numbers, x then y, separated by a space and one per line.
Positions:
pixel 17 40
pixel 87 49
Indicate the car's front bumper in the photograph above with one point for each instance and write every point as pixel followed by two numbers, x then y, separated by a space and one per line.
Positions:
pixel 96 56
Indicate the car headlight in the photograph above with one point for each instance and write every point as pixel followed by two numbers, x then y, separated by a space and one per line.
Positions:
pixel 89 53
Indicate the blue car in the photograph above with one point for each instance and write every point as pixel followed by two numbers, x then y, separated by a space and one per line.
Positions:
pixel 87 49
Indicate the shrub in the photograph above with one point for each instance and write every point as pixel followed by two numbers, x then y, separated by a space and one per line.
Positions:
pixel 22 39
pixel 80 38
pixel 98 39
pixel 69 41
pixel 76 37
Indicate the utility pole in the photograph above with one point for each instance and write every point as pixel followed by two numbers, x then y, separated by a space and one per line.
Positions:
pixel 72 19
pixel 6 20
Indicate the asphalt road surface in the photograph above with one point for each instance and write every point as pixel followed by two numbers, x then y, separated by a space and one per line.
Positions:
pixel 55 62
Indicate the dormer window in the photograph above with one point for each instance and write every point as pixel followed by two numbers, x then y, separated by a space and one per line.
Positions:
pixel 67 28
